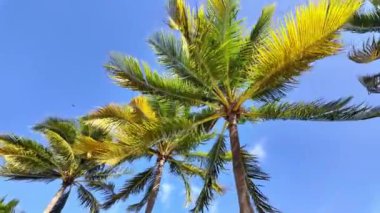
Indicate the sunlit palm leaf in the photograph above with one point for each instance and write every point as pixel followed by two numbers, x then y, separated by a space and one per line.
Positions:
pixel 127 72
pixel 310 34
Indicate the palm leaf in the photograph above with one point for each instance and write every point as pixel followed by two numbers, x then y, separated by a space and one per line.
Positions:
pixel 87 199
pixel 365 22
pixel 67 129
pixel 254 172
pixel 214 165
pixel 132 186
pixel 369 52
pixel 310 34
pixel 338 110
pixel 127 72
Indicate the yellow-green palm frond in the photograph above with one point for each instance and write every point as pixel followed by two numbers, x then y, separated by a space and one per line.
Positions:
pixel 107 152
pixel 66 129
pixel 110 116
pixel 369 52
pixel 128 72
pixel 142 108
pixel 308 35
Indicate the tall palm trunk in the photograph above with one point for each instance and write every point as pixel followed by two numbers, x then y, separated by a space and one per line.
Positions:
pixel 58 201
pixel 238 167
pixel 156 187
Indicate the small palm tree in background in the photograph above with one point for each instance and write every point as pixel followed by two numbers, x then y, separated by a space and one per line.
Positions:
pixel 239 77
pixel 147 128
pixel 28 160
pixel 365 21
pixel 8 207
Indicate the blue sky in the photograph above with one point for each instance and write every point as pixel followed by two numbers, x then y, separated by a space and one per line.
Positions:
pixel 51 58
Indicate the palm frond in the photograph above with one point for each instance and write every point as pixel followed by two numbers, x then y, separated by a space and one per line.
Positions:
pixel 363 22
pixel 310 34
pixel 262 27
pixel 369 52
pixel 214 165
pixel 173 56
pixel 371 82
pixel 87 199
pixel 132 186
pixel 60 146
pixel 254 172
pixel 11 144
pixel 67 129
pixel 8 207
pixel 338 110
pixel 138 206
pixel 127 72
pixel 175 169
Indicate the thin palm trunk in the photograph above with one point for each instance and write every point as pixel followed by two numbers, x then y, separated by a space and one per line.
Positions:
pixel 238 168
pixel 156 187
pixel 58 199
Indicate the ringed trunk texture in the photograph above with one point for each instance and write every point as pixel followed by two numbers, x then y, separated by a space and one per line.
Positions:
pixel 238 167
pixel 52 207
pixel 156 187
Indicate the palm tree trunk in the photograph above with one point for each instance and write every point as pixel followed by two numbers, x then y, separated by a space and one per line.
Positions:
pixel 156 187
pixel 238 167
pixel 57 200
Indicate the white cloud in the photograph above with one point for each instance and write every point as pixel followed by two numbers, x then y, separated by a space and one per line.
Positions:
pixel 166 191
pixel 258 150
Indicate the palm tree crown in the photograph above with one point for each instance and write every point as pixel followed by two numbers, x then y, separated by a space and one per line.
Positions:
pixel 26 159
pixel 148 128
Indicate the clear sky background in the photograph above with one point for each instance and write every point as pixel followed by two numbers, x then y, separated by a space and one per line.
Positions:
pixel 51 64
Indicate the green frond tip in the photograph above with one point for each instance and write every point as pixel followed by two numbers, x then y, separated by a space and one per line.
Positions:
pixel 262 26
pixel 371 82
pixel 369 52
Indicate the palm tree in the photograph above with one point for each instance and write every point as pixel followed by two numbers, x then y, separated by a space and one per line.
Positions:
pixel 147 128
pixel 28 160
pixel 8 207
pixel 231 75
pixel 365 22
